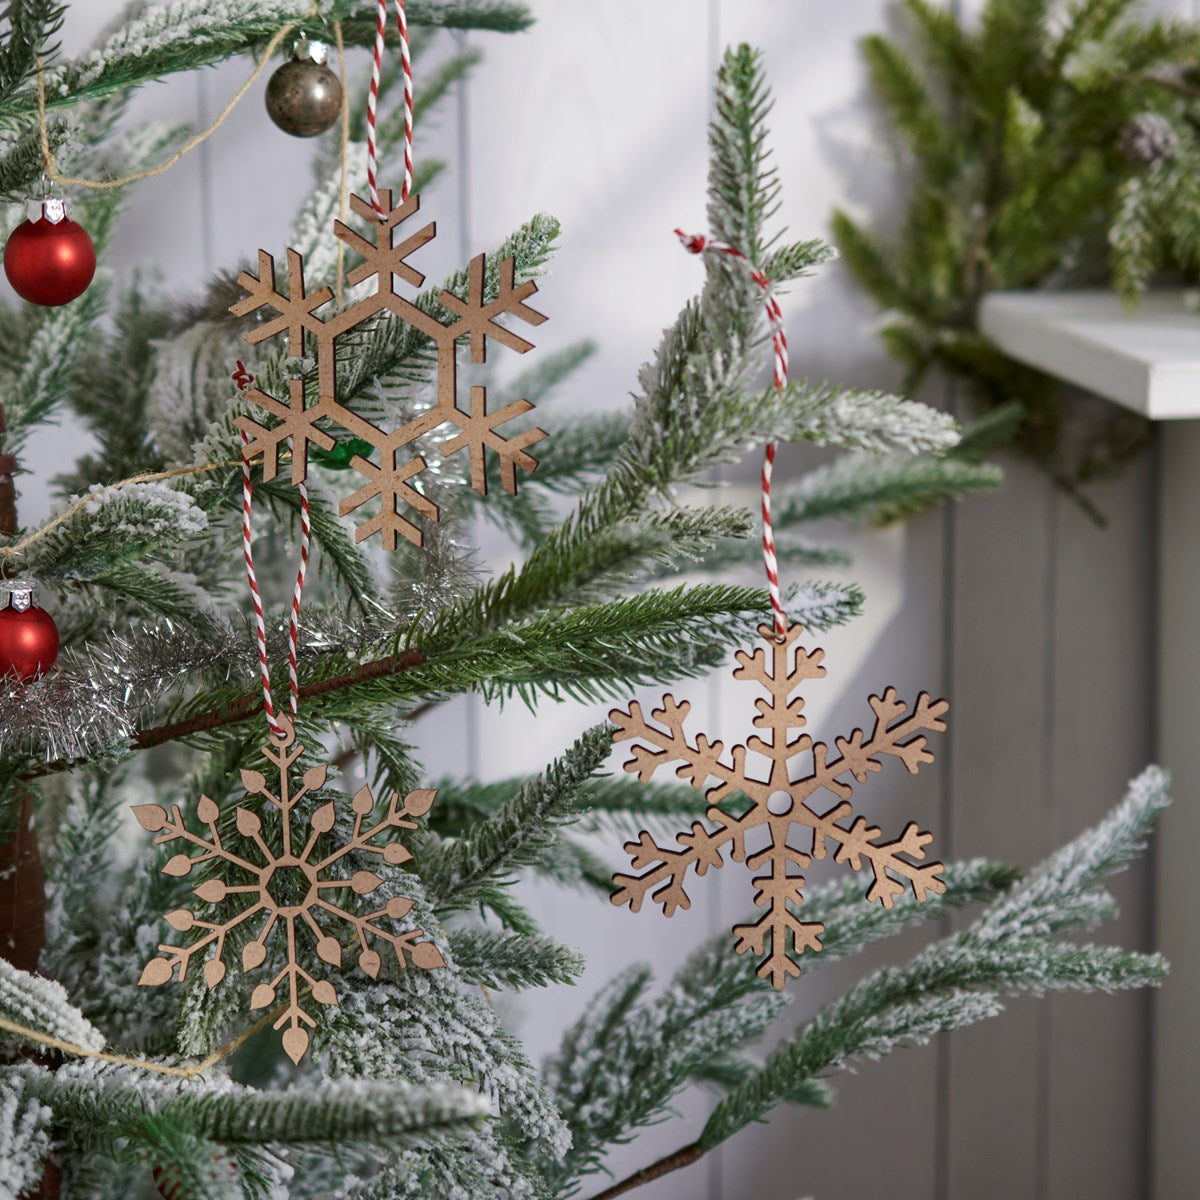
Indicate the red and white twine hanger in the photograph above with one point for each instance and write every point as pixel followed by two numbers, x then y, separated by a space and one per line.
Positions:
pixel 242 378
pixel 256 597
pixel 373 100
pixel 697 243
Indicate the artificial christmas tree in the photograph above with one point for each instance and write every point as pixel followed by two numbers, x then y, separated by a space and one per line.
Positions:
pixel 412 1086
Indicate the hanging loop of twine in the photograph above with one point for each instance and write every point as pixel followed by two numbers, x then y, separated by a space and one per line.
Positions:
pixel 697 243
pixel 373 101
pixel 343 150
pixel 278 728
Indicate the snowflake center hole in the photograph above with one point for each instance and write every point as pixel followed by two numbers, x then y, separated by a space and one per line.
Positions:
pixel 779 804
pixel 287 886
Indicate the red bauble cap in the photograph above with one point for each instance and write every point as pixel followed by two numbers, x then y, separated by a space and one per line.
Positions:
pixel 49 259
pixel 28 635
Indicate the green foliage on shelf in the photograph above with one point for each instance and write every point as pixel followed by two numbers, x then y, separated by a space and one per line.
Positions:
pixel 1052 146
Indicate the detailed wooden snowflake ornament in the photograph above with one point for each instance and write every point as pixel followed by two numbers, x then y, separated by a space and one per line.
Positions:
pixel 778 803
pixel 292 895
pixel 303 423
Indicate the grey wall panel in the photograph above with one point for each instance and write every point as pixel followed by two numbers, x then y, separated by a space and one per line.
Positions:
pixel 1101 734
pixel 1004 558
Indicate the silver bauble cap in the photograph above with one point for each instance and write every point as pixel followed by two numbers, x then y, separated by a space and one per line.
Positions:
pixel 18 594
pixel 309 49
pixel 46 208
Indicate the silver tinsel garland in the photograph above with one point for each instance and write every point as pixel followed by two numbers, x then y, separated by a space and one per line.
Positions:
pixel 91 702
pixel 94 701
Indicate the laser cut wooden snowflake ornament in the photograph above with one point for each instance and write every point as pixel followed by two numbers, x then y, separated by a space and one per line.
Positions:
pixel 291 894
pixel 778 803
pixel 474 317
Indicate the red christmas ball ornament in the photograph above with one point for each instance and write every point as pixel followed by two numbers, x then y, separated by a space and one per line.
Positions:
pixel 48 258
pixel 28 635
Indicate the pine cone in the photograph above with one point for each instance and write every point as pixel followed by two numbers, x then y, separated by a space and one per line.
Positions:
pixel 1148 139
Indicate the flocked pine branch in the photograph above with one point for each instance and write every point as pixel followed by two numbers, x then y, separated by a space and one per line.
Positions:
pixel 520 834
pixel 961 979
pixel 710 987
pixel 106 1103
pixel 24 1135
pixel 189 34
pixel 438 1029
pixel 42 1006
pixel 513 961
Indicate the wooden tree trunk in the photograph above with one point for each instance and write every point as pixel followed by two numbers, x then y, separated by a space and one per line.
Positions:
pixel 22 882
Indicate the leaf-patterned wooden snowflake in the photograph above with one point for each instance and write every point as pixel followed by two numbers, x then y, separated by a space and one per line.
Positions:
pixel 305 423
pixel 778 802
pixel 292 895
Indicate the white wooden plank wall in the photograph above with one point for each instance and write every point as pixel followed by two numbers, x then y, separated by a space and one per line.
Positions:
pixel 1036 625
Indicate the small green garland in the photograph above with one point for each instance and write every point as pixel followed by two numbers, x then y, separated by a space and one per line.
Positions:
pixel 1054 146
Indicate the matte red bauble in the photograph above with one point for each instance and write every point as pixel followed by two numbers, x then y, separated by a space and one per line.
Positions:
pixel 28 635
pixel 49 259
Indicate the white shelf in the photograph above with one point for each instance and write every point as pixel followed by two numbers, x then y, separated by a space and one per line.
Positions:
pixel 1147 359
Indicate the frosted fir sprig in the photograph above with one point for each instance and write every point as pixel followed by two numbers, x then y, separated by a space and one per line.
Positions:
pixel 190 392
pixel 149 510
pixel 107 528
pixel 824 605
pixel 831 415
pixel 513 961
pixel 81 882
pixel 460 873
pixel 25 1124
pixel 479 1166
pixel 106 1105
pixel 37 386
pixel 440 1030
pixel 1062 893
pixel 43 1006
pixel 621 1065
pixel 964 977
pixel 880 487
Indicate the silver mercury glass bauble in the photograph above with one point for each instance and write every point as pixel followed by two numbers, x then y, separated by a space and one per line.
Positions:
pixel 304 97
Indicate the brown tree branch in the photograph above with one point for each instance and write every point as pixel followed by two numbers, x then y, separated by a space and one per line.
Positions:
pixel 683 1157
pixel 247 705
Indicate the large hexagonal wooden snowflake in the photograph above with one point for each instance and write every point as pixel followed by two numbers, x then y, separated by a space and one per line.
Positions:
pixel 293 895
pixel 778 802
pixel 303 421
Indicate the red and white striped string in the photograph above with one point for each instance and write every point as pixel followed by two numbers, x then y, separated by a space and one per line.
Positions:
pixel 256 596
pixel 697 243
pixel 243 379
pixel 373 101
